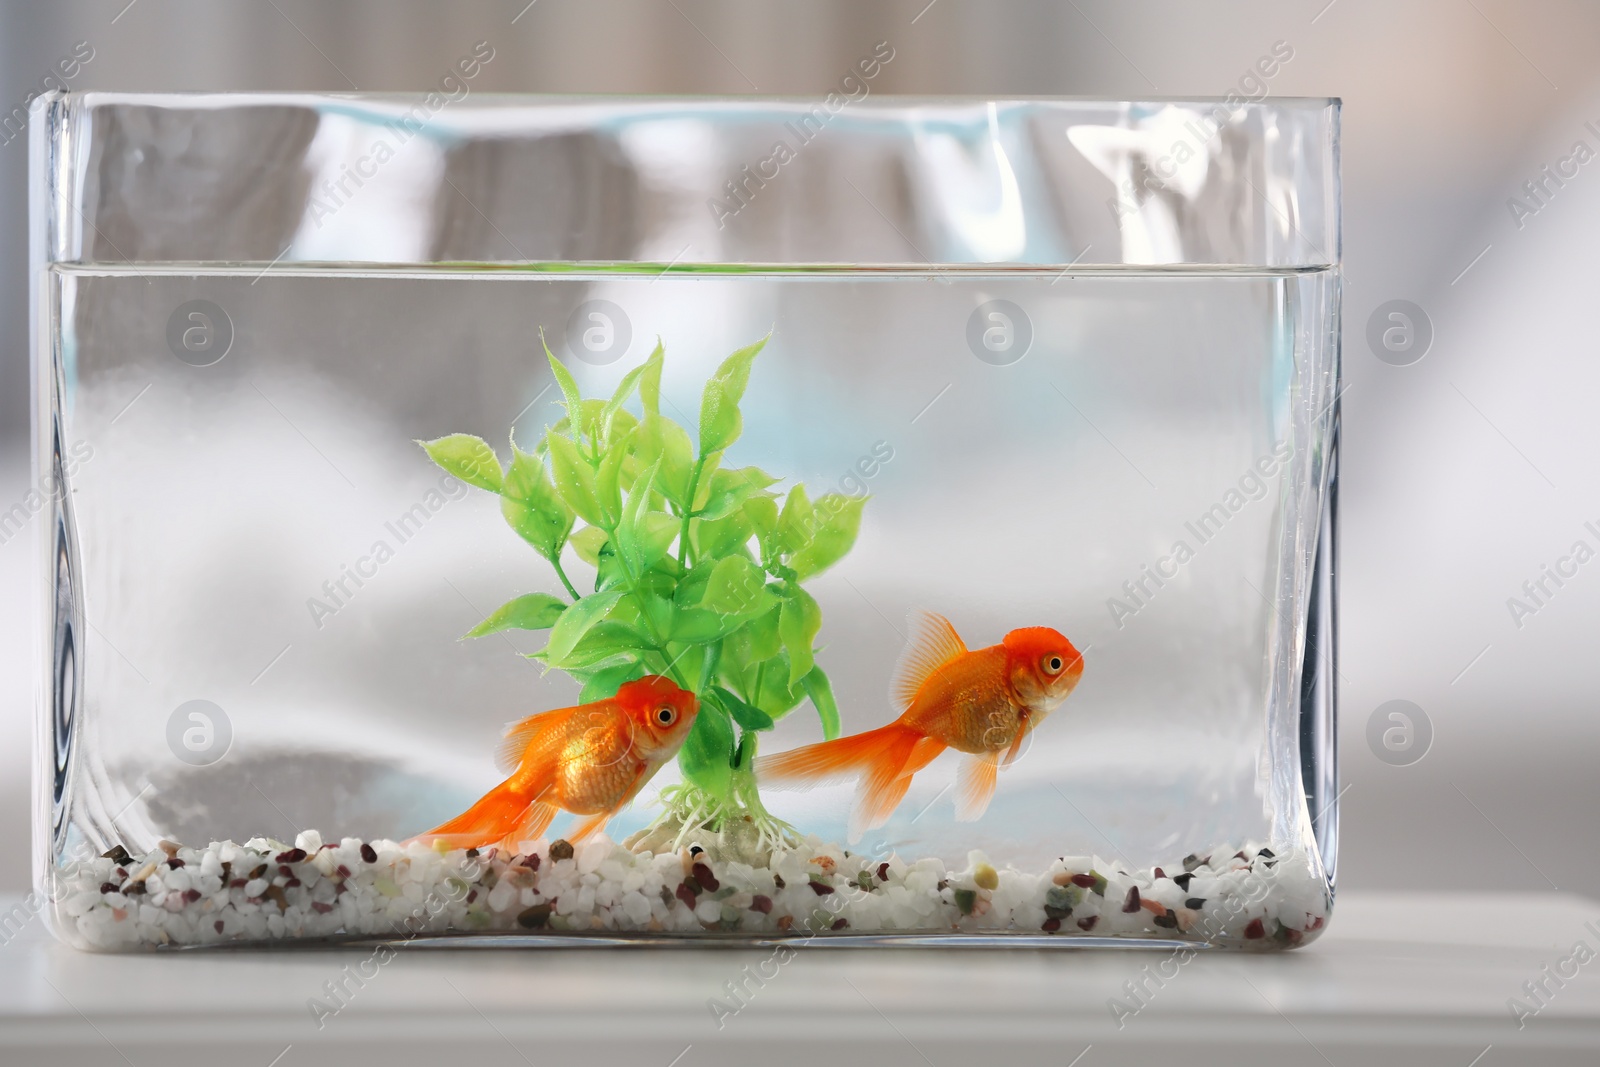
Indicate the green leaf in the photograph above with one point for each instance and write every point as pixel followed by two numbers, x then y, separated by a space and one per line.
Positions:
pixel 764 635
pixel 735 587
pixel 747 716
pixel 620 397
pixel 708 750
pixel 661 439
pixel 655 537
pixel 569 389
pixel 797 521
pixel 762 511
pixel 720 421
pixel 604 683
pixel 799 620
pixel 577 621
pixel 776 696
pixel 531 505
pixel 468 458
pixel 533 611
pixel 608 480
pixel 604 642
pixel 726 490
pixel 575 479
pixel 587 543
pixel 650 380
pixel 630 531
pixel 720 537
pixel 820 690
pixel 698 625
pixel 837 521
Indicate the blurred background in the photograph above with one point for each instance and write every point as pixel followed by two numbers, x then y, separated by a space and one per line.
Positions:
pixel 1466 472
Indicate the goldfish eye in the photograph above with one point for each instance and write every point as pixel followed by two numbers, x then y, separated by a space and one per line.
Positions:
pixel 1053 664
pixel 666 714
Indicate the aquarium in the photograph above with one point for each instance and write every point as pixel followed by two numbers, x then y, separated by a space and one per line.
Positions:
pixel 575 520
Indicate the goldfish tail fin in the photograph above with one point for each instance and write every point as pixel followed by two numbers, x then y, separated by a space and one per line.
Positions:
pixel 843 757
pixel 934 643
pixel 975 785
pixel 885 783
pixel 498 815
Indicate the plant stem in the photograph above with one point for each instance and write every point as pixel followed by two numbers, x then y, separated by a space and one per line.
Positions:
pixel 688 511
pixel 556 563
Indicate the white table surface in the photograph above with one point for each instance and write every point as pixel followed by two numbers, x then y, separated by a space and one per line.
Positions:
pixel 1400 978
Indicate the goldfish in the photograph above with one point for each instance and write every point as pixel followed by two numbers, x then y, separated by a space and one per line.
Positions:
pixel 591 760
pixel 982 702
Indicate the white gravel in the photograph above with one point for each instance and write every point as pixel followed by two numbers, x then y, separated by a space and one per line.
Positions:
pixel 265 890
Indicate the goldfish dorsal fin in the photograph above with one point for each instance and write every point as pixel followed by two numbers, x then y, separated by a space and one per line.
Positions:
pixel 933 644
pixel 519 735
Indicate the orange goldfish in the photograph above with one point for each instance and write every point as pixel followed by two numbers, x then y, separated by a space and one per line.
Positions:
pixel 590 760
pixel 981 702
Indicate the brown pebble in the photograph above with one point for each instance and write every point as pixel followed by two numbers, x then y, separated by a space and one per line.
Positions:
pixel 1130 903
pixel 686 894
pixel 1160 873
pixel 1087 924
pixel 1051 925
pixel 191 895
pixel 707 880
pixel 258 872
pixel 1255 929
pixel 342 871
pixel 108 887
pixel 536 916
pixel 319 906
pixel 761 903
pixel 236 883
pixel 217 926
pixel 275 893
pixel 369 853
pixel 839 924
pixel 785 922
pixel 294 855
pixel 883 872
pixel 561 850
pixel 531 862
pixel 1083 881
pixel 291 883
pixel 820 889
pixel 174 863
pixel 472 896
pixel 778 881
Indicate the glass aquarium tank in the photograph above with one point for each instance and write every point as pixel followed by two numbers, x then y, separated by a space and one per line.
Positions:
pixel 597 520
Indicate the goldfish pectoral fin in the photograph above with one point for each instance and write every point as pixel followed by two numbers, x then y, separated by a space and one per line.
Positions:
pixel 975 785
pixel 513 745
pixel 1015 749
pixel 536 819
pixel 933 643
pixel 586 826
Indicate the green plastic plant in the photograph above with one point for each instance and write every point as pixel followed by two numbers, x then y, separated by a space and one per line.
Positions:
pixel 698 571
